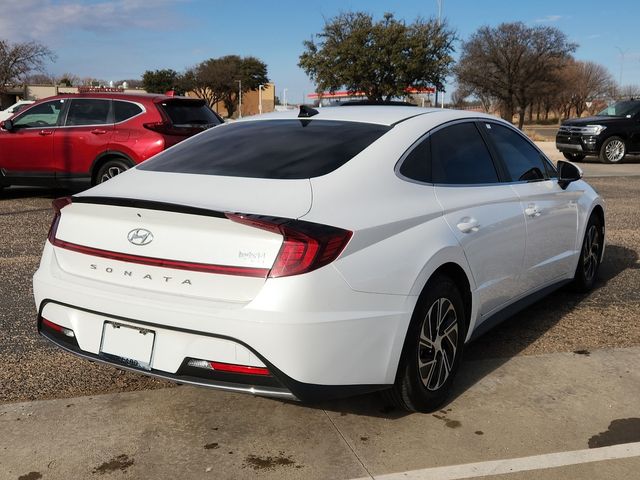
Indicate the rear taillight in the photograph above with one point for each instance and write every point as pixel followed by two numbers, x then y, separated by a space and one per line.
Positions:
pixel 305 247
pixel 165 128
pixel 58 204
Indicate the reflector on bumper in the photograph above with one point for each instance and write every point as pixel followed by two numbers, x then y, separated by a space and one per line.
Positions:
pixel 229 367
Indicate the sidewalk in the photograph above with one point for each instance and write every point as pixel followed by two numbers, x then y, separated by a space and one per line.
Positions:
pixel 505 409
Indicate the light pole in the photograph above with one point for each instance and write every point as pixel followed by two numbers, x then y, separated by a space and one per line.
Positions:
pixel 284 97
pixel 260 87
pixel 239 98
pixel 622 54
pixel 440 4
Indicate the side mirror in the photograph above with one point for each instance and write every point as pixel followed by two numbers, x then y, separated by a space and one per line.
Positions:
pixel 567 173
pixel 7 125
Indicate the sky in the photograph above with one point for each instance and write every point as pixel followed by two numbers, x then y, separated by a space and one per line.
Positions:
pixel 118 39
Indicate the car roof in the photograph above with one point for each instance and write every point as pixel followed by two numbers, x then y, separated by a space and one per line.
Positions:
pixel 155 97
pixel 378 114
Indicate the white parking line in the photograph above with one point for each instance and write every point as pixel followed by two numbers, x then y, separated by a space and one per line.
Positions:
pixel 523 464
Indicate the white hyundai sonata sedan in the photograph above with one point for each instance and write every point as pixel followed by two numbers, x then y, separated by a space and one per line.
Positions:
pixel 317 254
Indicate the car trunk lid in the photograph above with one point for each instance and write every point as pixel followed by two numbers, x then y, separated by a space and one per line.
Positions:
pixel 178 243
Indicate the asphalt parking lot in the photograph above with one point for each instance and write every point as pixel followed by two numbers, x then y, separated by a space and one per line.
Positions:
pixel 547 381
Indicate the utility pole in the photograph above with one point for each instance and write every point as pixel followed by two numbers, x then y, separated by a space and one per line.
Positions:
pixel 284 97
pixel 239 98
pixel 260 87
pixel 440 4
pixel 622 54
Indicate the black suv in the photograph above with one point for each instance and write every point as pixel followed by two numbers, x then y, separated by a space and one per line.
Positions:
pixel 611 134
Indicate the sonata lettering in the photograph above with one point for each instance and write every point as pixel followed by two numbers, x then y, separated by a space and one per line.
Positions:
pixel 146 276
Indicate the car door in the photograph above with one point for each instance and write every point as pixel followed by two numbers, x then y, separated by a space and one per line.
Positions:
pixel 483 213
pixel 87 131
pixel 551 213
pixel 26 152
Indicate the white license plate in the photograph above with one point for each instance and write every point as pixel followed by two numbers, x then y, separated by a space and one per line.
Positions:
pixel 131 345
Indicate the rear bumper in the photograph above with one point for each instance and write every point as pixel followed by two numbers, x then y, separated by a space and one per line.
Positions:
pixel 318 338
pixel 245 387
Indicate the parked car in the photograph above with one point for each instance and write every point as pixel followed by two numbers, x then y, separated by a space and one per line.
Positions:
pixel 90 138
pixel 328 254
pixel 13 109
pixel 610 135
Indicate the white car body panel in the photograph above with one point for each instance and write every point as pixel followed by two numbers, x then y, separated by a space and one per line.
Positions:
pixel 343 324
pixel 500 234
pixel 283 198
pixel 551 227
pixel 13 109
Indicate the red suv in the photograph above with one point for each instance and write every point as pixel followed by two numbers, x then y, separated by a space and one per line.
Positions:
pixel 92 137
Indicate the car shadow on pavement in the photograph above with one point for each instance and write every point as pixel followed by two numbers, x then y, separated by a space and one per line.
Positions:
pixel 507 340
pixel 627 159
pixel 14 193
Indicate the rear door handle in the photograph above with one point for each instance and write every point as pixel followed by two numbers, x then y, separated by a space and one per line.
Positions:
pixel 44 133
pixel 468 225
pixel 97 131
pixel 532 211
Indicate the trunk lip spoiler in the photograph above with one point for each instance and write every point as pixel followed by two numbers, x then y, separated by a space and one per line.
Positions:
pixel 148 205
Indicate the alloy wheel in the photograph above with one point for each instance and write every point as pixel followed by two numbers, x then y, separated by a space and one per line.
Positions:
pixel 614 150
pixel 438 344
pixel 110 172
pixel 590 252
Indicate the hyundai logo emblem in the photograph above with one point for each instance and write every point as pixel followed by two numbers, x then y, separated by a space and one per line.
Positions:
pixel 140 236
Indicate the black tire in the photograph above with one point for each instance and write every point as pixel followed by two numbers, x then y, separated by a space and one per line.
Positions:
pixel 110 169
pixel 573 157
pixel 590 255
pixel 613 150
pixel 412 391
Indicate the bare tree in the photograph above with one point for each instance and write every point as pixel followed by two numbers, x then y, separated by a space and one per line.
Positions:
pixel 513 63
pixel 69 80
pixel 626 92
pixel 17 60
pixel 39 79
pixel 459 96
pixel 590 81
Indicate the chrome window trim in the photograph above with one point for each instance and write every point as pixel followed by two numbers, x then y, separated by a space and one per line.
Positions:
pixel 42 128
pixel 144 110
pixel 470 185
pixel 424 137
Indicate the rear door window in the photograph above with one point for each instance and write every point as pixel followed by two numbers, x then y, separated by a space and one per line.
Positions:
pixel 523 161
pixel 88 111
pixel 125 110
pixel 460 156
pixel 189 113
pixel 280 149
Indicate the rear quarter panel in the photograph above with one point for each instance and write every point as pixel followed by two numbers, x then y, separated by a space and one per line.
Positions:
pixel 400 236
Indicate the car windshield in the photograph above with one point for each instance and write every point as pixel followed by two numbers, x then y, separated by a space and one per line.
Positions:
pixel 279 149
pixel 621 109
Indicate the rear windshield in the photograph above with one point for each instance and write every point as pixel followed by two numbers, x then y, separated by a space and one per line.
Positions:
pixel 189 113
pixel 281 149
